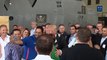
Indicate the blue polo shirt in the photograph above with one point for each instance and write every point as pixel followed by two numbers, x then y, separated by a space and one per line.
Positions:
pixel 29 43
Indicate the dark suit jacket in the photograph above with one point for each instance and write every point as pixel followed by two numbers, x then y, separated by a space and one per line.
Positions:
pixel 81 52
pixel 61 41
pixel 68 36
pixel 103 47
pixel 96 38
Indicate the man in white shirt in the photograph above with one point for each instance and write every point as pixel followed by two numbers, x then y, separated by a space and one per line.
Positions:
pixel 44 45
pixel 33 25
pixel 71 39
pixel 4 39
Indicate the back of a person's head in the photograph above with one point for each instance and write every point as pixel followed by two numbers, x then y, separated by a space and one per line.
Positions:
pixel 44 44
pixel 84 34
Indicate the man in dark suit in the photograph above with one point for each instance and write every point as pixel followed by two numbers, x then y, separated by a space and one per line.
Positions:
pixel 61 37
pixel 103 42
pixel 82 50
pixel 71 39
pixel 96 37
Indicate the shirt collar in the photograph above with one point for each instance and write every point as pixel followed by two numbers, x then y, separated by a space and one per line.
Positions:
pixel 73 34
pixel 7 36
pixel 44 56
pixel 104 37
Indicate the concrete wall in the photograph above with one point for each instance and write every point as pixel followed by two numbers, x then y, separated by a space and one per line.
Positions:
pixel 93 6
pixel 23 13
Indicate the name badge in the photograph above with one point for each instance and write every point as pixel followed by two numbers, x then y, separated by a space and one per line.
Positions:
pixel 104 46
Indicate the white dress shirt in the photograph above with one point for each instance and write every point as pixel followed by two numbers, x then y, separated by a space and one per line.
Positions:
pixel 3 44
pixel 72 41
pixel 32 32
pixel 43 57
pixel 103 39
pixel 106 56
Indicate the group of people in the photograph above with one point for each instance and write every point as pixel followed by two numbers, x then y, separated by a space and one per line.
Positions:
pixel 49 42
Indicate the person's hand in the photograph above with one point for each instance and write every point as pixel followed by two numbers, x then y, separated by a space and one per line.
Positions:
pixel 58 52
pixel 90 43
pixel 97 46
pixel 18 38
pixel 12 38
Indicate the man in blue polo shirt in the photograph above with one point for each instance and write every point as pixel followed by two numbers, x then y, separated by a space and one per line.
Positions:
pixel 29 50
pixel 29 43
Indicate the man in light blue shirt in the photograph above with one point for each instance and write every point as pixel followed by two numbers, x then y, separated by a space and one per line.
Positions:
pixel 14 51
pixel 30 42
pixel 72 39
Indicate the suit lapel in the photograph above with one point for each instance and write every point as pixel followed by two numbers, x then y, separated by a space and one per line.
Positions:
pixel 104 44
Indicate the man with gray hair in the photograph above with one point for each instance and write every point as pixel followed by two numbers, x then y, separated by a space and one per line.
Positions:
pixel 33 25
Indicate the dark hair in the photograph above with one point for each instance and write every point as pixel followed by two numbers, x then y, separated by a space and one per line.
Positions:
pixel 43 25
pixel 73 26
pixel 84 34
pixel 100 23
pixel 94 26
pixel 27 30
pixel 40 27
pixel 15 30
pixel 105 27
pixel 44 44
pixel 15 25
pixel 61 25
